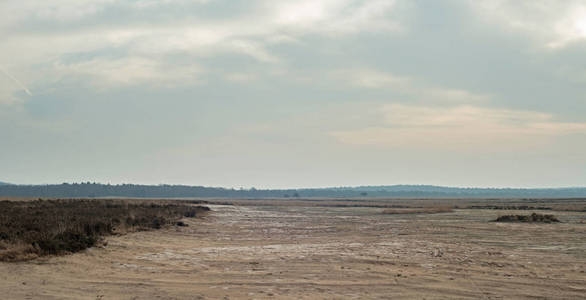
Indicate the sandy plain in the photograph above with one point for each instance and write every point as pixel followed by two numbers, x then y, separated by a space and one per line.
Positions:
pixel 306 250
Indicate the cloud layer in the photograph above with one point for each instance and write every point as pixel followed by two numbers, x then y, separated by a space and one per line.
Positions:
pixel 292 93
pixel 460 128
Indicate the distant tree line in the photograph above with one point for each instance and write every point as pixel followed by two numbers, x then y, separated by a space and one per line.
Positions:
pixel 87 189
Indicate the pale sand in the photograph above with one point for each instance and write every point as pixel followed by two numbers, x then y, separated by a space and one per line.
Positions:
pixel 253 252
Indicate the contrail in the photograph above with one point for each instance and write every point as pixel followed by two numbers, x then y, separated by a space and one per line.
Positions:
pixel 16 80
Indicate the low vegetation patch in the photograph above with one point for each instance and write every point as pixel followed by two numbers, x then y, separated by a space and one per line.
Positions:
pixel 510 207
pixel 422 210
pixel 29 229
pixel 532 218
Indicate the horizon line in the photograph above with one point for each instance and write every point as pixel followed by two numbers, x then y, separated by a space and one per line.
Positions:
pixel 298 188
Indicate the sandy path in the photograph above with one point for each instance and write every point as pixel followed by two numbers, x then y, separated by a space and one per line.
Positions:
pixel 317 252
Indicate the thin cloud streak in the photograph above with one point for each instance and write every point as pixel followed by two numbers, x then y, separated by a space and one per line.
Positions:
pixel 24 88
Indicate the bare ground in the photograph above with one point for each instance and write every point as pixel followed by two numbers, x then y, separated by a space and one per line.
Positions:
pixel 296 252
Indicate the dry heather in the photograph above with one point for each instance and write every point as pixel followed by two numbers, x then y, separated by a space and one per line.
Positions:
pixel 533 218
pixel 421 210
pixel 29 229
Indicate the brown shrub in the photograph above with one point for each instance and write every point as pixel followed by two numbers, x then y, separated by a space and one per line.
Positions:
pixel 34 228
pixel 533 218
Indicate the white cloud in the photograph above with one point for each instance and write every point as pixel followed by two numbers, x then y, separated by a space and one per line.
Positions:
pixel 253 50
pixel 369 78
pixel 157 4
pixel 334 16
pixel 555 23
pixel 452 95
pixel 106 73
pixel 72 27
pixel 416 88
pixel 458 128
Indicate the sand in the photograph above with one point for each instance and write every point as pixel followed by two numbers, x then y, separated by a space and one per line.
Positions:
pixel 297 252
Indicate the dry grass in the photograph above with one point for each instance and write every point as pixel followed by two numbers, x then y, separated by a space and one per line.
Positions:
pixel 29 229
pixel 421 210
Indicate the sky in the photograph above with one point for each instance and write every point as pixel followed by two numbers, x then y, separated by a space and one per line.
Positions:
pixel 276 94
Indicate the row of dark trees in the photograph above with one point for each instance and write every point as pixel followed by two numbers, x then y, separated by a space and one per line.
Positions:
pixel 88 189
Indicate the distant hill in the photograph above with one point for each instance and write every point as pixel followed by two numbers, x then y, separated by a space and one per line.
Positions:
pixel 68 190
pixel 4 183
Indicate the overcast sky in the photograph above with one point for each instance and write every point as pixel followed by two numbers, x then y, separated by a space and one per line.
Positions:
pixel 294 93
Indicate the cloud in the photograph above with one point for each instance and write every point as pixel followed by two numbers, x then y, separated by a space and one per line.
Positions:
pixel 146 51
pixel 128 71
pixel 370 78
pixel 556 24
pixel 18 82
pixel 9 86
pixel 68 10
pixel 417 89
pixel 334 17
pixel 254 50
pixel 16 12
pixel 462 127
pixel 157 4
pixel 357 83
